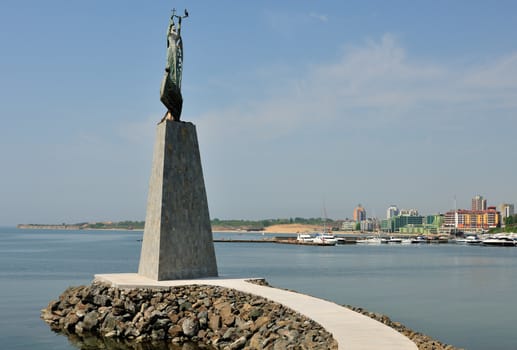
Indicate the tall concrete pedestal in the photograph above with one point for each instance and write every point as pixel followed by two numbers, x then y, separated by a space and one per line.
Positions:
pixel 177 240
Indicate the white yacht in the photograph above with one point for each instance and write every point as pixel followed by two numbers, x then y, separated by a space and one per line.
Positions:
pixel 305 238
pixel 473 240
pixel 499 242
pixel 325 238
pixel 370 240
pixel 470 239
pixel 419 239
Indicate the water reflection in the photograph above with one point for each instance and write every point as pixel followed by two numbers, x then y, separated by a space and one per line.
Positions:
pixel 95 343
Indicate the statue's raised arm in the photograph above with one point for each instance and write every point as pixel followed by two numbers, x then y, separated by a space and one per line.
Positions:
pixel 170 92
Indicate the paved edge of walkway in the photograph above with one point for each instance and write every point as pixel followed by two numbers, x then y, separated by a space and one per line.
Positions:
pixel 352 330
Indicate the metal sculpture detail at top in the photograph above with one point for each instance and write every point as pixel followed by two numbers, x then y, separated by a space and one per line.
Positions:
pixel 170 91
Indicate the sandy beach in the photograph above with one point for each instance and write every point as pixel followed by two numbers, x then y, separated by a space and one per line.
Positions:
pixel 285 228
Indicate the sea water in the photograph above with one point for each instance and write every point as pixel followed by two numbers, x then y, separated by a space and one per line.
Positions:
pixel 460 295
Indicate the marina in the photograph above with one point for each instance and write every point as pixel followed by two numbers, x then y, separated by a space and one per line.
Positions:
pixel 333 240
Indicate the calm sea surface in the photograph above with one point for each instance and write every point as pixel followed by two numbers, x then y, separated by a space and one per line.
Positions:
pixel 461 295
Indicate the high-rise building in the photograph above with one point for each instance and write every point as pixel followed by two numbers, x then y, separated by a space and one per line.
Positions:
pixel 367 225
pixel 478 203
pixel 473 219
pixel 359 213
pixel 395 223
pixel 348 225
pixel 392 212
pixel 408 212
pixel 507 210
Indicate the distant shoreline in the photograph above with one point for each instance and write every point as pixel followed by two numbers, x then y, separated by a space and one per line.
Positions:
pixel 292 229
pixel 72 228
pixel 274 229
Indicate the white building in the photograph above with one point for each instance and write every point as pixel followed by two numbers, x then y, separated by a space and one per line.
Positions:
pixel 348 225
pixel 479 203
pixel 409 212
pixel 392 212
pixel 507 210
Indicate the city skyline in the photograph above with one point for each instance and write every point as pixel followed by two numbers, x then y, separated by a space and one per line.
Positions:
pixel 478 203
pixel 298 105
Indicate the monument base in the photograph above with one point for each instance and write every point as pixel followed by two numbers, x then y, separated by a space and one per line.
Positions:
pixel 177 241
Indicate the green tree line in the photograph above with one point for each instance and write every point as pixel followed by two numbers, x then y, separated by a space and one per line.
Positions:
pixel 270 222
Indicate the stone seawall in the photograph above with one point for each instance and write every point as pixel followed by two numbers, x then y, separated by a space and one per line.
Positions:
pixel 213 317
pixel 193 317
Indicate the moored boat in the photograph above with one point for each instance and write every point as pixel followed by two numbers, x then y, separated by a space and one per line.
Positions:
pixel 499 242
pixel 469 239
pixel 370 240
pixel 325 238
pixel 419 239
pixel 341 240
pixel 305 238
pixel 473 240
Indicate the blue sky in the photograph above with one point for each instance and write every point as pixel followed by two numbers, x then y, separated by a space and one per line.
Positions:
pixel 296 103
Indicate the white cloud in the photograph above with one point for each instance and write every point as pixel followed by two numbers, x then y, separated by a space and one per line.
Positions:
pixel 498 74
pixel 319 17
pixel 379 82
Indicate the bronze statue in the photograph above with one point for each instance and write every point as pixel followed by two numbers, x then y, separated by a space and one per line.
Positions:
pixel 170 91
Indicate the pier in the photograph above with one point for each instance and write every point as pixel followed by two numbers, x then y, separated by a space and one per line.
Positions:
pixel 350 329
pixel 343 239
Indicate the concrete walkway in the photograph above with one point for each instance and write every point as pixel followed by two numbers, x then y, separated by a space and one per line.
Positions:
pixel 351 330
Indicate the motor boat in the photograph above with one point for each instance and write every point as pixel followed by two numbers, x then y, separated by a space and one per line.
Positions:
pixel 371 240
pixel 473 240
pixel 419 239
pixel 324 238
pixel 499 242
pixel 305 238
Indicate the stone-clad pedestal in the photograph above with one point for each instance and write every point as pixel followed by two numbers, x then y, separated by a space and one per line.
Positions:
pixel 177 241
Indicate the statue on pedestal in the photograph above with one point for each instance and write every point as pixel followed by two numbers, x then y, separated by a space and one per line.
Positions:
pixel 170 91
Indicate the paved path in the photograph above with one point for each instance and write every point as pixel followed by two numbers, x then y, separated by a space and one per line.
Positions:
pixel 352 330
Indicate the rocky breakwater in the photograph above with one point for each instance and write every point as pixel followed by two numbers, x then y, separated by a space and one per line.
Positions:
pixel 213 317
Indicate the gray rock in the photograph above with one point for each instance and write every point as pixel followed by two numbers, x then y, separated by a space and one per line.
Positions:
pixel 280 344
pixel 255 313
pixel 110 324
pixel 101 300
pixel 185 306
pixel 158 334
pixel 202 314
pixel 90 320
pixel 228 334
pixel 190 327
pixel 238 344
pixel 70 321
pixel 214 321
pixel 162 323
pixel 79 329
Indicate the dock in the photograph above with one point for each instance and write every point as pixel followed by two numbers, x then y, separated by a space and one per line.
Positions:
pixel 343 239
pixel 281 240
